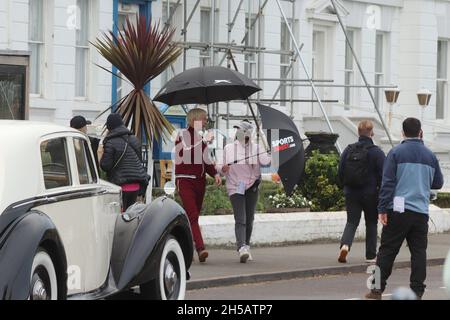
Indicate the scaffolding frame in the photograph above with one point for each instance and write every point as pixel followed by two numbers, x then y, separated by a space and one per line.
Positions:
pixel 231 46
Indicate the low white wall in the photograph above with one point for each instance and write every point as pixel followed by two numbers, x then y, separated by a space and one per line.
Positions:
pixel 299 227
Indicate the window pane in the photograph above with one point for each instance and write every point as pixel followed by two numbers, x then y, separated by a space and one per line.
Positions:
pixel 80 72
pixel 285 44
pixel 250 40
pixel 205 32
pixel 440 99
pixel 348 52
pixel 35 68
pixel 378 91
pixel 348 90
pixel 55 163
pixel 84 161
pixel 379 54
pixel 442 60
pixel 83 23
pixel 284 85
pixel 205 25
pixel 12 92
pixel 36 20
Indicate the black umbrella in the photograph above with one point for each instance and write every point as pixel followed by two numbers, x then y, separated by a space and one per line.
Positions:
pixel 206 85
pixel 287 146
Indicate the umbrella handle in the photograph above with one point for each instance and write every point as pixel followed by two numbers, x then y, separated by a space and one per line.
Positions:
pixel 255 155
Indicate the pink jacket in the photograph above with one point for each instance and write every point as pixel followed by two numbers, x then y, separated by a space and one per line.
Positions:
pixel 248 170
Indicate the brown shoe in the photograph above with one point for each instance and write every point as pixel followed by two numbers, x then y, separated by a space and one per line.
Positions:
pixel 343 254
pixel 373 295
pixel 202 255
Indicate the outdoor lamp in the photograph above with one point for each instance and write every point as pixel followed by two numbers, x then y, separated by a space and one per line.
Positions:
pixel 391 98
pixel 424 97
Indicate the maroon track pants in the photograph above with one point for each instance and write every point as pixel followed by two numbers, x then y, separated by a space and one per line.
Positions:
pixel 192 192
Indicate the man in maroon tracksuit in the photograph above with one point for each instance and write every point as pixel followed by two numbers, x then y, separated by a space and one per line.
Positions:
pixel 192 162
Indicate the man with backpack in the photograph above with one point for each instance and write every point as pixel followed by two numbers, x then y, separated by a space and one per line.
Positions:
pixel 360 171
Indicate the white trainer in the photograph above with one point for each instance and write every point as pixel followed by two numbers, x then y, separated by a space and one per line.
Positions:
pixel 250 257
pixel 243 254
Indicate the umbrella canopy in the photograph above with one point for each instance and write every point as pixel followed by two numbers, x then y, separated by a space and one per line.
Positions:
pixel 287 146
pixel 206 85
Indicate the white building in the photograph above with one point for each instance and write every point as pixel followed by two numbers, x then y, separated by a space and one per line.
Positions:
pixel 399 42
pixel 64 80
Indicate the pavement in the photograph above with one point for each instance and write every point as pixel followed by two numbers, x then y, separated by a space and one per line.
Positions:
pixel 336 287
pixel 223 268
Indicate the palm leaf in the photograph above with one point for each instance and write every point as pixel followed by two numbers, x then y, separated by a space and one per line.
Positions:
pixel 140 53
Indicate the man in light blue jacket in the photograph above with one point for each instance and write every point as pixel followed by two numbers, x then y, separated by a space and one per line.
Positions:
pixel 410 171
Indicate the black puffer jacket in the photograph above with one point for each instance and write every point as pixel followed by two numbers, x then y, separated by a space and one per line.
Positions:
pixel 130 168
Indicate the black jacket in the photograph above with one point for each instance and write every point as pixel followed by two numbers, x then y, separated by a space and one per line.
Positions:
pixel 129 169
pixel 376 160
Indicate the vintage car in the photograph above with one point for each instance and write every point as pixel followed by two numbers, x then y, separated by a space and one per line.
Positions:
pixel 62 232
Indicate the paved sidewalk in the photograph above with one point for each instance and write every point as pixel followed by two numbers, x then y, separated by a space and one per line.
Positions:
pixel 300 261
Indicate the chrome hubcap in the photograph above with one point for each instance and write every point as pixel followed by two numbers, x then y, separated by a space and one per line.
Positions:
pixel 38 291
pixel 170 277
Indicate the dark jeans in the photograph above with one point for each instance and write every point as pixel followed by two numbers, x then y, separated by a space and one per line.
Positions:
pixel 355 204
pixel 414 228
pixel 128 199
pixel 244 207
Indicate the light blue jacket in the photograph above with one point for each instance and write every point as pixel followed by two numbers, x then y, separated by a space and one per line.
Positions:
pixel 410 171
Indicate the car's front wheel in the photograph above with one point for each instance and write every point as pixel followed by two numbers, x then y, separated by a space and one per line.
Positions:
pixel 43 280
pixel 170 282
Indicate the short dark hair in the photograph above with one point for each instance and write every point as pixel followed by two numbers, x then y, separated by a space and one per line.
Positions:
pixel 411 127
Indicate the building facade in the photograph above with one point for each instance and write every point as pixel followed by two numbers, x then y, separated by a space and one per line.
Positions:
pixel 399 42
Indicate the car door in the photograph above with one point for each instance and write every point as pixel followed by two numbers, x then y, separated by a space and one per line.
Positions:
pixel 103 207
pixel 67 206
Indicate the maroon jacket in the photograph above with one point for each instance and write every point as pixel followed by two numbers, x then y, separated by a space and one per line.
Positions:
pixel 191 156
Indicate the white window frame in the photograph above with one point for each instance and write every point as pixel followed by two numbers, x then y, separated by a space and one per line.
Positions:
pixel 380 74
pixel 442 80
pixel 40 48
pixel 349 70
pixel 251 65
pixel 285 60
pixel 122 85
pixel 83 93
pixel 177 21
pixel 205 55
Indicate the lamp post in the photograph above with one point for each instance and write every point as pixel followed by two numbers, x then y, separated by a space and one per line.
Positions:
pixel 424 97
pixel 391 98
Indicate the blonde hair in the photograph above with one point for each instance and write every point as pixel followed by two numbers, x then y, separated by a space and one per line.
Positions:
pixel 194 115
pixel 365 128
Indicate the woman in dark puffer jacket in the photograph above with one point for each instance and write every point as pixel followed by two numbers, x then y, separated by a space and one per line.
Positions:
pixel 122 160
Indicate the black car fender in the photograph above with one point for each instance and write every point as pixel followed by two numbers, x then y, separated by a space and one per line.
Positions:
pixel 18 246
pixel 139 265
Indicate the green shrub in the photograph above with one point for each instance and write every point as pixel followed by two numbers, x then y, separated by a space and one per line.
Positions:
pixel 217 202
pixel 320 184
pixel 442 200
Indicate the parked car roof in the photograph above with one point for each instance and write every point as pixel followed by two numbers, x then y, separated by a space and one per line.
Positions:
pixel 20 163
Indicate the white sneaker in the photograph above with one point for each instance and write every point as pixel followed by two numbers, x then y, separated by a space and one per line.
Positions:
pixel 250 257
pixel 371 261
pixel 243 254
pixel 343 254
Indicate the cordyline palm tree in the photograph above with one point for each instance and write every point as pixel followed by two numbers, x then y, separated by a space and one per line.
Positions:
pixel 140 53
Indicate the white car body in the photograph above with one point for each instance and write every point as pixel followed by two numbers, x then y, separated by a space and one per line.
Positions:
pixel 85 220
pixel 85 249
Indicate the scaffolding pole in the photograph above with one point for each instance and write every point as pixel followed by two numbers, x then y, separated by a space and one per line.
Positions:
pixel 316 94
pixel 363 76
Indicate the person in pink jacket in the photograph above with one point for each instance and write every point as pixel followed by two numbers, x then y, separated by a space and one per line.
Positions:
pixel 241 166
